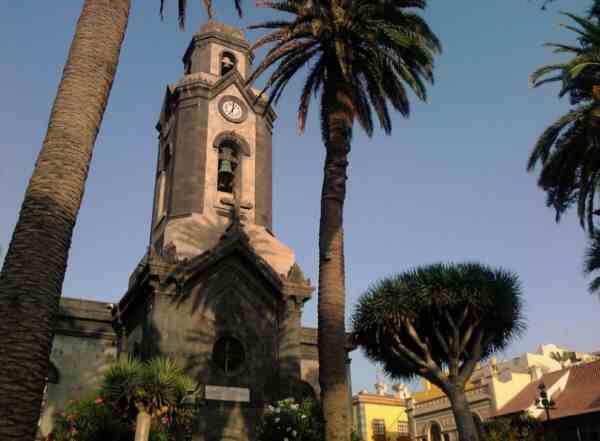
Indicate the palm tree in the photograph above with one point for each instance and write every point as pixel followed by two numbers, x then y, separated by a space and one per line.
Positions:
pixel 182 8
pixel 360 56
pixel 591 263
pixel 35 263
pixel 569 149
pixel 34 267
pixel 438 321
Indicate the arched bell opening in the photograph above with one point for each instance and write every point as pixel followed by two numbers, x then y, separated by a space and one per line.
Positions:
pixel 228 167
pixel 228 63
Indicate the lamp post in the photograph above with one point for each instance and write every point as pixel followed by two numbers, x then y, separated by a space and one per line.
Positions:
pixel 543 402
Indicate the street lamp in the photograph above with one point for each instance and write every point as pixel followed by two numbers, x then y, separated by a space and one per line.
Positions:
pixel 543 402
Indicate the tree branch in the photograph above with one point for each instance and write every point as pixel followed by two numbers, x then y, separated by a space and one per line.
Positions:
pixel 412 332
pixel 463 317
pixel 407 353
pixel 467 336
pixel 426 364
pixel 455 345
pixel 440 338
pixel 475 355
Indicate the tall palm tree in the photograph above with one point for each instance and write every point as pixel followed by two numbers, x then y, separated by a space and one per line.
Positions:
pixel 35 263
pixel 34 267
pixel 569 149
pixel 360 56
pixel 182 7
pixel 591 263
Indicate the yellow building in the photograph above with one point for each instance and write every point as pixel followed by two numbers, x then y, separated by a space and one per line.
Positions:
pixel 381 416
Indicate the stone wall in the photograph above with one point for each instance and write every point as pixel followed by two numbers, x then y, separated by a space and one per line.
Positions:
pixel 84 345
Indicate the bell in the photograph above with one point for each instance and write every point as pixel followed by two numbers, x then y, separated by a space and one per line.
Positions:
pixel 225 182
pixel 225 167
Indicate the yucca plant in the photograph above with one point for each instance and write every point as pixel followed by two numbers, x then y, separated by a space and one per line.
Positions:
pixel 361 57
pixel 147 389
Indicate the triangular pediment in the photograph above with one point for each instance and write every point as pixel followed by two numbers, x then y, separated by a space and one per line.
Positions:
pixel 235 242
pixel 250 97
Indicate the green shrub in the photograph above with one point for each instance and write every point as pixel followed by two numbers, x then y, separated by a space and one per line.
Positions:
pixel 157 386
pixel 291 421
pixel 90 419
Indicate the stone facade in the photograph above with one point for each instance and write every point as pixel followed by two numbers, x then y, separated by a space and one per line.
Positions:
pixel 84 345
pixel 216 291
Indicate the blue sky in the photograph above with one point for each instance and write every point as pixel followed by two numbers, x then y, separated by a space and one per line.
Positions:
pixel 448 185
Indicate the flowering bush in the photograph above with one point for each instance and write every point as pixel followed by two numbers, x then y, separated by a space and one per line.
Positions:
pixel 157 386
pixel 89 420
pixel 93 419
pixel 291 421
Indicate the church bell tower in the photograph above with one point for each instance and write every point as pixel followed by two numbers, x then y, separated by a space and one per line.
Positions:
pixel 216 292
pixel 215 152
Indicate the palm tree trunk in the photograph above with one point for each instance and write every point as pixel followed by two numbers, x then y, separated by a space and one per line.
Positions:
pixel 142 426
pixel 33 272
pixel 467 431
pixel 338 116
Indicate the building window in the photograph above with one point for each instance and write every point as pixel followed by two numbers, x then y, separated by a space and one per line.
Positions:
pixel 402 427
pixel 227 166
pixel 378 430
pixel 228 354
pixel 228 62
pixel 161 205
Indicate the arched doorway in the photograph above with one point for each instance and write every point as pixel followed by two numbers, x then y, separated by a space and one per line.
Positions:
pixel 435 432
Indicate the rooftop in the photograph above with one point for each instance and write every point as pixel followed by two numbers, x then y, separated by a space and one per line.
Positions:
pixel 581 393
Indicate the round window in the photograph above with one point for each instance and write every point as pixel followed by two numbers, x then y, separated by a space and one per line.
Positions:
pixel 228 354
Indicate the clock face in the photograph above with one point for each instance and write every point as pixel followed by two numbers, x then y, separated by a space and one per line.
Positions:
pixel 232 110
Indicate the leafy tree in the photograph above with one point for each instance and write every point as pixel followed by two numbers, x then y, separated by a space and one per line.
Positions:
pixel 437 322
pixel 360 58
pixel 35 263
pixel 568 151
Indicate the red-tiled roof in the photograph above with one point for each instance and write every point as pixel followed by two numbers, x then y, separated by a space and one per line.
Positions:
pixel 580 395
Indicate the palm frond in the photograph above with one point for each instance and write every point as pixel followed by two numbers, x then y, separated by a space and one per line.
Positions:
pixel 369 48
pixel 546 140
pixel 591 263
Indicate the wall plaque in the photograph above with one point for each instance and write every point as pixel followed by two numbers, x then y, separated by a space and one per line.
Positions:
pixel 220 393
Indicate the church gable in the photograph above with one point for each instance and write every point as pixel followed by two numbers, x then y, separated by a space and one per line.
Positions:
pixel 232 294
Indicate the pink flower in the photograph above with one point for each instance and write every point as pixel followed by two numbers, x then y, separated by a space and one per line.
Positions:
pixel 99 400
